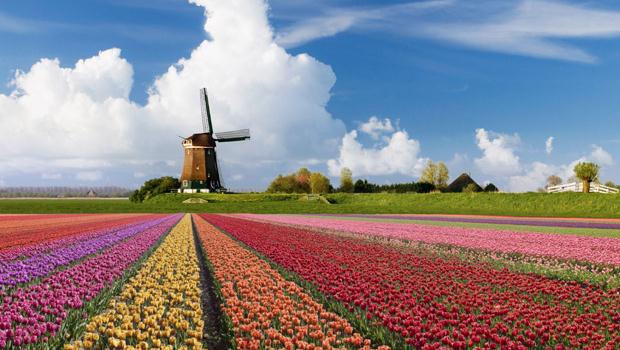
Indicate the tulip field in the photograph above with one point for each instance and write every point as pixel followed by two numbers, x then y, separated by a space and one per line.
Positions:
pixel 250 281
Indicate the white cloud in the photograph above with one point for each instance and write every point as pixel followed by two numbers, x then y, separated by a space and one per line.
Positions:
pixel 336 20
pixel 63 116
pixel 89 176
pixel 139 174
pixel 535 28
pixel 69 113
pixel 549 145
pixel 498 153
pixel 535 177
pixel 536 174
pixel 376 127
pixel 601 156
pixel 253 83
pixel 398 155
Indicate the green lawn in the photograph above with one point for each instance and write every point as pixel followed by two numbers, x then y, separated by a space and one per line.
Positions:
pixel 522 204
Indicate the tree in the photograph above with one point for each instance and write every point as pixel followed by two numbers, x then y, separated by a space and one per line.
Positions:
pixel 611 184
pixel 363 186
pixel 284 184
pixel 303 178
pixel 153 187
pixel 346 180
pixel 436 174
pixel 586 172
pixel 288 184
pixel 554 180
pixel 319 183
pixel 300 182
pixel 443 175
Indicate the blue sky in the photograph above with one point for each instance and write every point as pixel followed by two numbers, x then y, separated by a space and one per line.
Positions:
pixel 548 69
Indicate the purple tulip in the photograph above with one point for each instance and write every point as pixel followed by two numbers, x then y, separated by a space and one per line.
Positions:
pixel 21 271
pixel 33 313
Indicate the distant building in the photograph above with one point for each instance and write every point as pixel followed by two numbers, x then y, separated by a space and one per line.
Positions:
pixel 91 194
pixel 578 187
pixel 459 184
pixel 491 188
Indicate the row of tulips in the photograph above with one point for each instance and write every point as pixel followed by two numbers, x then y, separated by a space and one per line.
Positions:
pixel 569 247
pixel 160 307
pixel 433 301
pixel 267 311
pixel 601 275
pixel 31 236
pixel 18 271
pixel 529 221
pixel 35 313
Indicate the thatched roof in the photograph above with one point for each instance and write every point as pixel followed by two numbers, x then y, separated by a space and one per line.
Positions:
pixel 461 182
pixel 491 188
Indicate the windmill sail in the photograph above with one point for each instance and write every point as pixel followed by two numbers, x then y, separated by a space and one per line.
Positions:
pixel 230 136
pixel 206 111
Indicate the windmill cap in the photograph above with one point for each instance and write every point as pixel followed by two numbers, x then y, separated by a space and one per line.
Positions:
pixel 202 139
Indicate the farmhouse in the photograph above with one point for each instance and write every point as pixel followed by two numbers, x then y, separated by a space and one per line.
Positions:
pixel 461 182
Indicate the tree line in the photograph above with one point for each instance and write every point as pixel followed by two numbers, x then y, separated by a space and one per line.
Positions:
pixel 434 177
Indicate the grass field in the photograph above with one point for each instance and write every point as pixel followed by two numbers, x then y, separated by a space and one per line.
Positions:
pixel 513 204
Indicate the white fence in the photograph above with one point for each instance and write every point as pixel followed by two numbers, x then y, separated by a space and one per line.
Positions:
pixel 578 187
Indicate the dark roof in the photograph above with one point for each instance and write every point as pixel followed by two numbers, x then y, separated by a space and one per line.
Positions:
pixel 491 188
pixel 202 139
pixel 461 182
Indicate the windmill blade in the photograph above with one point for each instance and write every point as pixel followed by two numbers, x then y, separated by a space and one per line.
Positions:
pixel 205 111
pixel 230 136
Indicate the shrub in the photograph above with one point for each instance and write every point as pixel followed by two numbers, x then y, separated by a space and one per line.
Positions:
pixel 153 187
pixel 471 188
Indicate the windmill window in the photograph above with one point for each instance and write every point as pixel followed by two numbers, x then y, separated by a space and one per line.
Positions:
pixel 184 182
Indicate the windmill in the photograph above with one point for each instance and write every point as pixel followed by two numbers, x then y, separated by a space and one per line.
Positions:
pixel 200 166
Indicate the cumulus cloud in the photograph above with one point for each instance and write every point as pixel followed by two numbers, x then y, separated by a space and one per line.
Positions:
pixel 498 153
pixel 500 161
pixel 549 145
pixel 376 127
pixel 399 154
pixel 84 112
pixel 601 156
pixel 535 175
pixel 69 113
